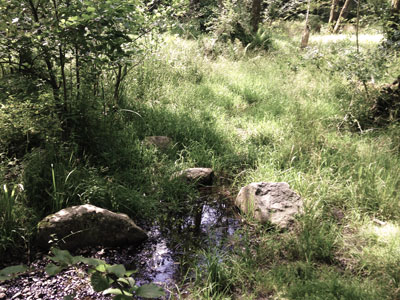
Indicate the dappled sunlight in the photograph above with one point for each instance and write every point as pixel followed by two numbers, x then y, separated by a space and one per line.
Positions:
pixel 333 38
pixel 374 248
pixel 386 233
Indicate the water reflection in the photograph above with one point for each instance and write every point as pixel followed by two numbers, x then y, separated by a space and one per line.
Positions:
pixel 159 259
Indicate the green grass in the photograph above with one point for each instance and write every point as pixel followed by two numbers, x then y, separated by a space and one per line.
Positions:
pixel 283 115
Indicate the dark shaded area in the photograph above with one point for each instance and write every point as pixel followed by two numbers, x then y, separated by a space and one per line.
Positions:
pixel 386 108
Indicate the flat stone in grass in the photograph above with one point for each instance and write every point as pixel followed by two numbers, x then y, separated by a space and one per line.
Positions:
pixel 88 225
pixel 272 202
pixel 160 142
pixel 199 176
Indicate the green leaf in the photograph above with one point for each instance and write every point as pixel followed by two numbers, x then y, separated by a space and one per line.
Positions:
pixel 118 270
pixel 77 259
pixel 99 282
pixel 150 291
pixel 11 272
pixel 102 267
pixel 91 9
pixel 114 291
pixel 123 280
pixel 132 282
pixel 73 19
pixel 129 273
pixel 52 269
pixel 62 256
pixel 129 281
pixel 94 262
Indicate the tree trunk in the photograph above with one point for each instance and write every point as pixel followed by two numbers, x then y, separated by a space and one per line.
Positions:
pixel 255 14
pixel 306 32
pixel 396 5
pixel 77 73
pixel 342 13
pixel 332 12
pixel 358 26
pixel 49 64
pixel 117 84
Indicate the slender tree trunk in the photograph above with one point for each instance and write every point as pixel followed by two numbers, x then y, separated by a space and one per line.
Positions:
pixel 256 14
pixel 77 73
pixel 358 26
pixel 396 5
pixel 47 59
pixel 117 84
pixel 342 13
pixel 62 63
pixel 64 79
pixel 306 32
pixel 332 12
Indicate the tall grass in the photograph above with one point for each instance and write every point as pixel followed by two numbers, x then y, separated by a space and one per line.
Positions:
pixel 15 223
pixel 283 116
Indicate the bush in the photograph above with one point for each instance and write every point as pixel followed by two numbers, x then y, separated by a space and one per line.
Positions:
pixel 233 22
pixel 27 117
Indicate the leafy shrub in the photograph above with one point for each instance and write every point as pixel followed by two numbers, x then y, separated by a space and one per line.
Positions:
pixel 260 40
pixel 27 116
pixel 233 22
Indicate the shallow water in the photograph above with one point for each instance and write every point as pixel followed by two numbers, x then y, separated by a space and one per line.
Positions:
pixel 160 258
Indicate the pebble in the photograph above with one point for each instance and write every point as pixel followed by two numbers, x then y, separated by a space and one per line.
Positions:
pixel 16 296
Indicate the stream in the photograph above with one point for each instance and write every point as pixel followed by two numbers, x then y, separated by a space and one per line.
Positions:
pixel 163 259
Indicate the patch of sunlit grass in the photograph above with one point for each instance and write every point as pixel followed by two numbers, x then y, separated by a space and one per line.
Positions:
pixel 374 250
pixel 334 38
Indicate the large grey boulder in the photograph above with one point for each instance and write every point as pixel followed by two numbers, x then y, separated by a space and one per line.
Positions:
pixel 272 202
pixel 88 225
pixel 199 176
